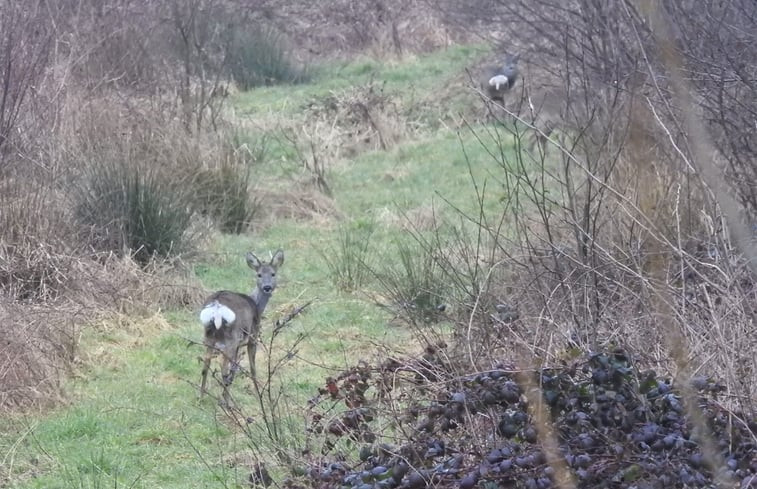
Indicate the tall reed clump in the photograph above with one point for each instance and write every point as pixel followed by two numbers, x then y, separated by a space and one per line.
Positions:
pixel 131 193
pixel 350 257
pixel 133 210
pixel 259 57
pixel 223 189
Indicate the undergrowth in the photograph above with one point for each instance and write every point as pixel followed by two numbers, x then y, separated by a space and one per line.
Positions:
pixel 610 420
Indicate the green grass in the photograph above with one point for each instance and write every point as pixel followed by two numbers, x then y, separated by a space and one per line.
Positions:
pixel 422 173
pixel 421 74
pixel 134 420
pixel 129 422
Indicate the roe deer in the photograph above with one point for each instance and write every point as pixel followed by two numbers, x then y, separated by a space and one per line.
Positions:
pixel 501 79
pixel 231 318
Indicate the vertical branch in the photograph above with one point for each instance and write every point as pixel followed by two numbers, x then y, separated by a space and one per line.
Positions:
pixel 25 48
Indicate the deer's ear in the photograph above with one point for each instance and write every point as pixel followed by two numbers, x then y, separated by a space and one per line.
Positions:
pixel 278 258
pixel 252 260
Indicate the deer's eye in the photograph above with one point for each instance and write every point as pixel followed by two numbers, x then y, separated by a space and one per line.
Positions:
pixel 273 275
pixel 260 275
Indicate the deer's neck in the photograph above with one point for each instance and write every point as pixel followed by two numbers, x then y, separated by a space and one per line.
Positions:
pixel 261 300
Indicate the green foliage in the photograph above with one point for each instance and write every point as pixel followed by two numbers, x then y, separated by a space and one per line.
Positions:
pixel 133 209
pixel 259 57
pixel 399 81
pixel 349 260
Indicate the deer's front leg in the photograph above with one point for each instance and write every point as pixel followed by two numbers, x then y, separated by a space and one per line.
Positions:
pixel 252 345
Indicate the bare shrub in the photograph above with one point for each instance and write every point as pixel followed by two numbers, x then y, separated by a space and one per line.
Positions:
pixel 312 156
pixel 27 40
pixel 34 354
pixel 201 37
pixel 583 265
pixel 621 51
pixel 611 231
pixel 37 242
pixel 172 54
pixel 118 50
pixel 725 86
pixel 39 338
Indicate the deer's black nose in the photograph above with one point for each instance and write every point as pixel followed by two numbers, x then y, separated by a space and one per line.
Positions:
pixel 267 289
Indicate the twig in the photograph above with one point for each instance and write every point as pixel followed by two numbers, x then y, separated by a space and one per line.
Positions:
pixel 280 323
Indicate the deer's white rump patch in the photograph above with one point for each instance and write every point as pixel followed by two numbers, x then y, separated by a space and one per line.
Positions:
pixel 498 81
pixel 216 313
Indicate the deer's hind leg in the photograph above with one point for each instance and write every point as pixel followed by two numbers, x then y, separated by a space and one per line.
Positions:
pixel 229 366
pixel 209 353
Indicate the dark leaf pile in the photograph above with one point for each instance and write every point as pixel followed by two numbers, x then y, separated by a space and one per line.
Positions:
pixel 616 427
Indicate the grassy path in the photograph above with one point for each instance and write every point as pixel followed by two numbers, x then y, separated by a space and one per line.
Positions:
pixel 134 420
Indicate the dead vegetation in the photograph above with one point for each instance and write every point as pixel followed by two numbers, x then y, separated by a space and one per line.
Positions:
pixel 615 231
pixel 385 29
pixel 359 119
pixel 42 334
pixel 35 353
pixel 105 126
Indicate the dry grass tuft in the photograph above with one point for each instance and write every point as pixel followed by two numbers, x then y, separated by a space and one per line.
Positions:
pixel 124 332
pixel 121 285
pixel 359 119
pixel 41 340
pixel 421 219
pixel 301 202
pixel 36 245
